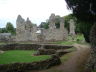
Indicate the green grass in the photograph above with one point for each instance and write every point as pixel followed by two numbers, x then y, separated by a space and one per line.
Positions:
pixel 2 43
pixel 65 42
pixel 94 71
pixel 20 56
pixel 77 39
pixel 65 57
pixel 71 49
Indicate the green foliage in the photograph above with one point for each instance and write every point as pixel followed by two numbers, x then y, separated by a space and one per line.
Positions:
pixel 84 10
pixel 57 24
pixel 3 30
pixel 57 21
pixel 44 25
pixel 10 28
pixel 0 30
pixel 66 57
pixel 20 56
pixel 85 28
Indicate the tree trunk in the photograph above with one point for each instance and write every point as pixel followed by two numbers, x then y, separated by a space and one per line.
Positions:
pixel 91 66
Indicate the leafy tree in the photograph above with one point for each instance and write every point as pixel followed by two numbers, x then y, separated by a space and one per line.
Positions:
pixel 10 28
pixel 0 30
pixel 3 30
pixel 84 27
pixel 85 10
pixel 57 21
pixel 44 25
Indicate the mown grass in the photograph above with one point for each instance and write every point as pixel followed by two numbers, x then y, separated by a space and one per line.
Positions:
pixel 2 43
pixel 72 40
pixel 20 56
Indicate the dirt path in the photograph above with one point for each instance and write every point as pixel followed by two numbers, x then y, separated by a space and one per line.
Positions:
pixel 75 63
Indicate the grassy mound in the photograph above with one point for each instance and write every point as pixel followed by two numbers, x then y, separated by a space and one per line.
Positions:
pixel 20 56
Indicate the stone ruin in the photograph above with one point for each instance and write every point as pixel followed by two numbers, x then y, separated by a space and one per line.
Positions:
pixel 72 27
pixel 5 37
pixel 53 33
pixel 26 31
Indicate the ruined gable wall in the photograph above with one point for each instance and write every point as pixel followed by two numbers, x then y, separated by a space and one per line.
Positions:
pixel 20 30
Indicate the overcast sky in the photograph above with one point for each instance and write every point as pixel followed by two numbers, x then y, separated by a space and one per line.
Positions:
pixel 36 10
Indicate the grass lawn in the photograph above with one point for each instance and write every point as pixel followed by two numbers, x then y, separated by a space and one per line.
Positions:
pixel 94 71
pixel 21 56
pixel 77 39
pixel 2 43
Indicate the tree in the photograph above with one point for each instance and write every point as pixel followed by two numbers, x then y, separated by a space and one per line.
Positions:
pixel 3 30
pixel 44 25
pixel 10 28
pixel 85 10
pixel 84 27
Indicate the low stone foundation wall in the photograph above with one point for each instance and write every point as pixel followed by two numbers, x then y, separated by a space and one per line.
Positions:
pixel 56 46
pixel 22 67
pixel 31 47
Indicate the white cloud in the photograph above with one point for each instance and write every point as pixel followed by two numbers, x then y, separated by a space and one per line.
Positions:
pixel 36 10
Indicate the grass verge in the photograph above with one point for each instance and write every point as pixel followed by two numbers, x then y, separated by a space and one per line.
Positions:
pixel 21 56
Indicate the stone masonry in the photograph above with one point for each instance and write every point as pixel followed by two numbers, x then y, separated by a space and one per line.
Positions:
pixel 26 31
pixel 72 27
pixel 54 34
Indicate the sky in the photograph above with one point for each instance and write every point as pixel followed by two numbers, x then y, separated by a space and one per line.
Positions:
pixel 37 10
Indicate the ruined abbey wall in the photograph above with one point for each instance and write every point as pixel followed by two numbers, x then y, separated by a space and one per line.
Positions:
pixel 53 33
pixel 26 31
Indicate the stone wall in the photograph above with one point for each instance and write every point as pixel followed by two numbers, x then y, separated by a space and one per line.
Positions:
pixel 22 67
pixel 54 35
pixel 5 37
pixel 31 47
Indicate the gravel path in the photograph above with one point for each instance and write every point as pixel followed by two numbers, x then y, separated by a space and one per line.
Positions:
pixel 77 62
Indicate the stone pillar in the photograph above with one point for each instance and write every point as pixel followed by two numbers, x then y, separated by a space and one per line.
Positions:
pixel 62 24
pixel 52 22
pixel 72 27
pixel 20 28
